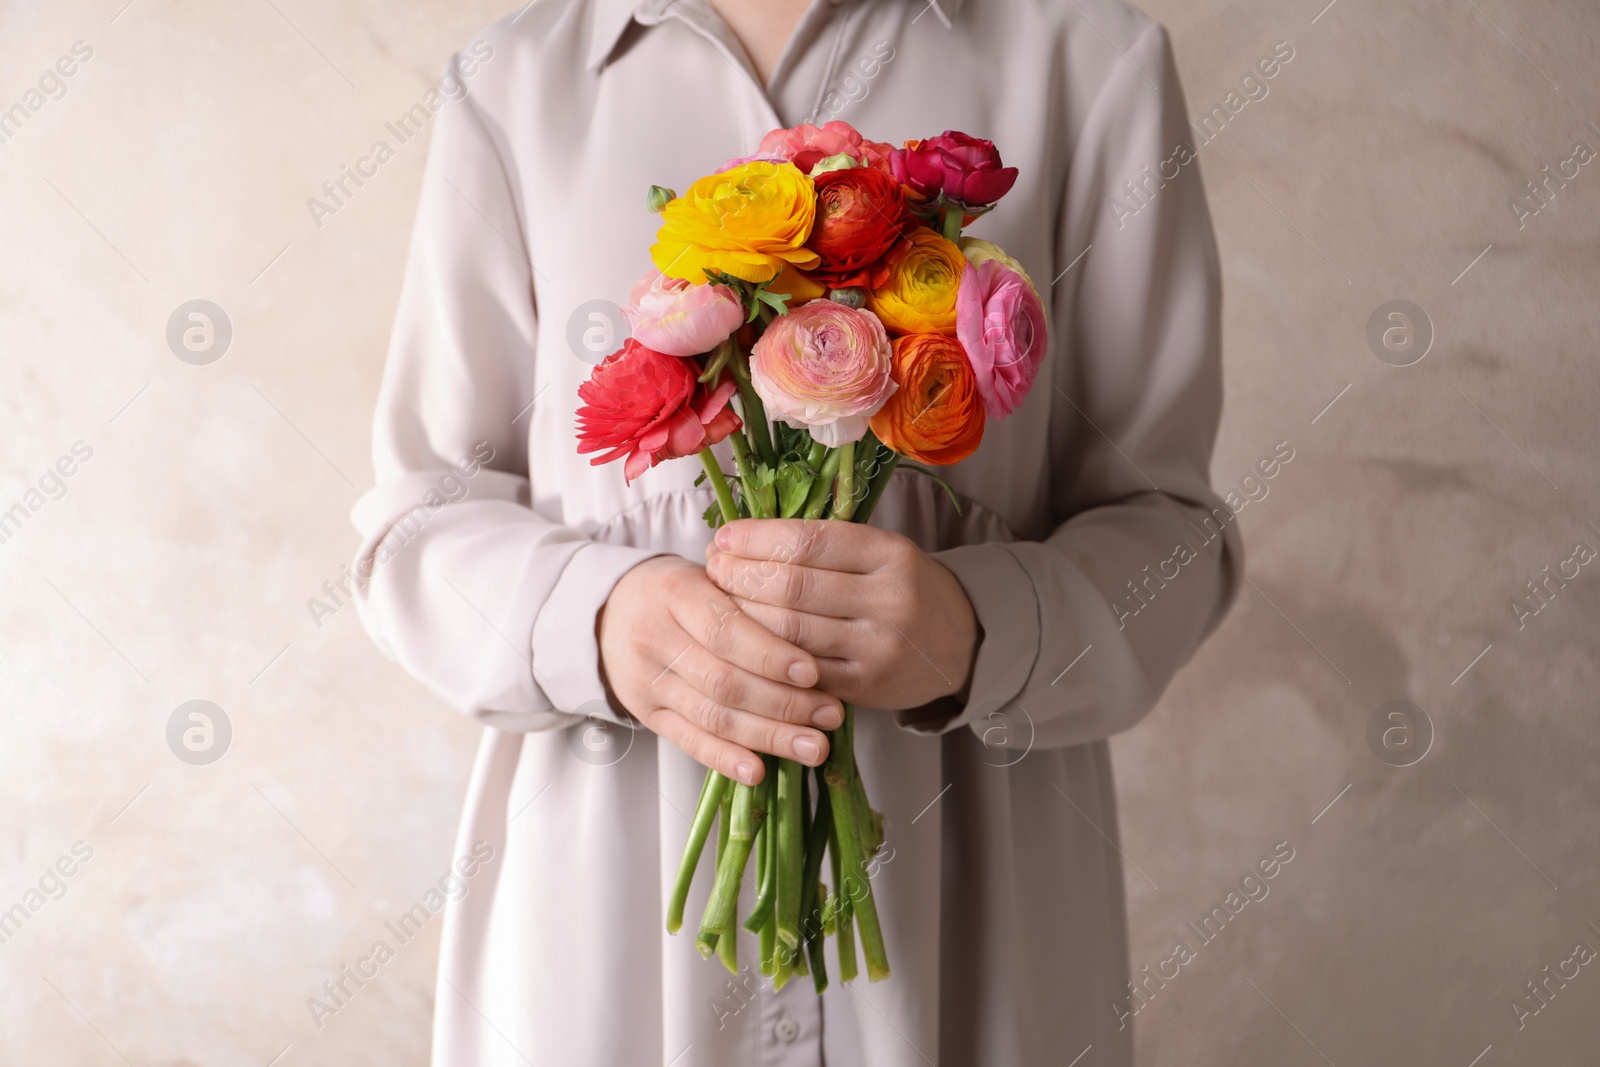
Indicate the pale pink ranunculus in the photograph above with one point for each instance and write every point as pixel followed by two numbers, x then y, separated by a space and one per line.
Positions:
pixel 678 318
pixel 824 367
pixel 1000 322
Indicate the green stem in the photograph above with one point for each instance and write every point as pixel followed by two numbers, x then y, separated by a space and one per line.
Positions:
pixel 816 846
pixel 811 922
pixel 755 412
pixel 818 498
pixel 753 498
pixel 844 496
pixel 844 932
pixel 952 222
pixel 719 482
pixel 724 903
pixel 783 965
pixel 727 940
pixel 819 964
pixel 880 482
pixel 857 887
pixel 710 800
pixel 766 883
pixel 791 854
pixel 769 928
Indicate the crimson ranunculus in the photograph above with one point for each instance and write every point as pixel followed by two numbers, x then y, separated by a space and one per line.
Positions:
pixel 965 169
pixel 647 406
pixel 860 228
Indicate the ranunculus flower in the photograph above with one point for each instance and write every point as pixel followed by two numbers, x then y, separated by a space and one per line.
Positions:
pixel 965 169
pixel 823 367
pixel 672 316
pixel 920 294
pixel 1000 322
pixel 807 145
pixel 747 222
pixel 647 406
pixel 860 227
pixel 936 416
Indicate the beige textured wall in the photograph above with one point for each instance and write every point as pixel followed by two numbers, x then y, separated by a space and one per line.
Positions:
pixel 177 562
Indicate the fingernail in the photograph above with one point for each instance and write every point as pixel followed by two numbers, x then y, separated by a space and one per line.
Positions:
pixel 803 674
pixel 807 749
pixel 827 717
pixel 721 540
pixel 746 772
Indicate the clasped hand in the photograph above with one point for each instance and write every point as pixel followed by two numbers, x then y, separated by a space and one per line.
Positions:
pixel 753 652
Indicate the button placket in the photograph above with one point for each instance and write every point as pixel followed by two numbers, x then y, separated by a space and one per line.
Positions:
pixel 791 1025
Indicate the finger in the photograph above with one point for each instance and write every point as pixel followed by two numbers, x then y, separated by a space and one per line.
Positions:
pixel 730 686
pixel 820 635
pixel 745 730
pixel 840 546
pixel 789 585
pixel 718 622
pixel 708 750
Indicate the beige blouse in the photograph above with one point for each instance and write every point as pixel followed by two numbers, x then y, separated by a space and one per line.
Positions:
pixel 1096 554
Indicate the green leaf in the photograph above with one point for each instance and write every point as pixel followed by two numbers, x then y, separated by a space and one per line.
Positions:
pixel 794 480
pixel 929 473
pixel 779 302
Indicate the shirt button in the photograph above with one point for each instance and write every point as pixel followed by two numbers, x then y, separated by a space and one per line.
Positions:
pixel 786 1030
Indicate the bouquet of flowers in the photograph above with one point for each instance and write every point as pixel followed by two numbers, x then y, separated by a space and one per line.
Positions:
pixel 816 306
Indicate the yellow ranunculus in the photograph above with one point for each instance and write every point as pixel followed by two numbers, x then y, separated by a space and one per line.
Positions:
pixel 920 296
pixel 749 221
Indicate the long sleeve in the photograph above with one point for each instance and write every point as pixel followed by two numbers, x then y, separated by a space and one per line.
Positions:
pixel 460 581
pixel 1144 558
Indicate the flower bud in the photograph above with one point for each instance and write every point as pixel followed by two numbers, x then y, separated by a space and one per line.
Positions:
pixel 658 197
pixel 850 297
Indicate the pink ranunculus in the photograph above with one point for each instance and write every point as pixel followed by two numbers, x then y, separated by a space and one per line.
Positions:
pixel 805 145
pixel 824 367
pixel 965 169
pixel 1000 322
pixel 678 318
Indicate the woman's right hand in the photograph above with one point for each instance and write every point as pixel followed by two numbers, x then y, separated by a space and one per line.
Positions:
pixel 688 663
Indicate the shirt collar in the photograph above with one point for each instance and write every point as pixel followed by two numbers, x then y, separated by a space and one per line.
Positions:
pixel 609 19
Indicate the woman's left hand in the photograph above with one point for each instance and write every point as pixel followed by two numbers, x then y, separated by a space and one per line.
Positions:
pixel 890 627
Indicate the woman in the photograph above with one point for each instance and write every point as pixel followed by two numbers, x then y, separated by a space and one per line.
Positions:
pixel 992 651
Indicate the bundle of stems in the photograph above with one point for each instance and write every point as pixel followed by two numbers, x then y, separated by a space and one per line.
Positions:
pixel 795 817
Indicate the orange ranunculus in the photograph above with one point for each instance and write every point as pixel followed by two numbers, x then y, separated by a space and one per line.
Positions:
pixel 749 221
pixel 920 295
pixel 936 416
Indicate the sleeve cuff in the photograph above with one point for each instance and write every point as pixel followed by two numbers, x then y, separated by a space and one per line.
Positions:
pixel 1007 609
pixel 566 656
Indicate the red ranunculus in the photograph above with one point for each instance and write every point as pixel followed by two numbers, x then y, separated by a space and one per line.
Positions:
pixel 966 169
pixel 860 228
pixel 647 406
